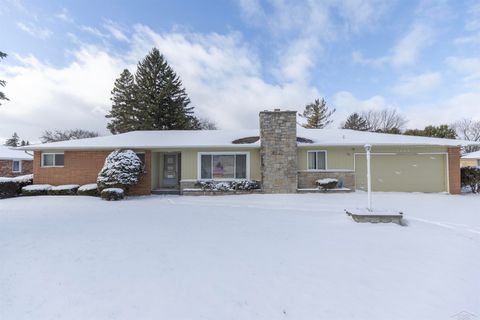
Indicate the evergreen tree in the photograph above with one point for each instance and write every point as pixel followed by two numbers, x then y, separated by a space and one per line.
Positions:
pixel 442 131
pixel 356 122
pixel 13 141
pixel 2 82
pixel 162 103
pixel 317 115
pixel 122 114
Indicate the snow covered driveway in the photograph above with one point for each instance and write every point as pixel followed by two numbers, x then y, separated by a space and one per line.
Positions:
pixel 238 257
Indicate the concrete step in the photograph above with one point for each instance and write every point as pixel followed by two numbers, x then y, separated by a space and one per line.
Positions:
pixel 166 191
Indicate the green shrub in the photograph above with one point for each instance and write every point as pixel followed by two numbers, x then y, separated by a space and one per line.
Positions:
pixel 90 189
pixel 36 190
pixel 112 194
pixel 12 187
pixel 122 169
pixel 64 190
pixel 470 177
pixel 234 185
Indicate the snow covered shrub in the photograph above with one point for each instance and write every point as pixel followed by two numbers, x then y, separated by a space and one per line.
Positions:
pixel 36 190
pixel 245 184
pixel 327 183
pixel 11 187
pixel 110 194
pixel 90 189
pixel 212 185
pixel 64 190
pixel 470 177
pixel 122 169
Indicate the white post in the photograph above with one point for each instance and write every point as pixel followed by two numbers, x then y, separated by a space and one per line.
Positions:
pixel 368 148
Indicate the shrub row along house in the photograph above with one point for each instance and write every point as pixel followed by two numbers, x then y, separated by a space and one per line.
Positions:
pixel 282 157
pixel 14 163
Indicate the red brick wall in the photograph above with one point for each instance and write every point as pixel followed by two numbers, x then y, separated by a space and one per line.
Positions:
pixel 82 167
pixel 6 167
pixel 454 170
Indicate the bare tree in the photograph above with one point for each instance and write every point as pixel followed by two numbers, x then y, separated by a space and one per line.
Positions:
pixel 385 120
pixel 206 124
pixel 468 129
pixel 58 135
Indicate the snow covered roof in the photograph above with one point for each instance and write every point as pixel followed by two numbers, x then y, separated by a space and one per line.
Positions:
pixel 225 138
pixel 345 137
pixel 7 153
pixel 472 155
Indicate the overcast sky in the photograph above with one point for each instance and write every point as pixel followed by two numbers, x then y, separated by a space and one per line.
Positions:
pixel 238 57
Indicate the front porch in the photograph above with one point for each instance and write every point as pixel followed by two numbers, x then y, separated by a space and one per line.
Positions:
pixel 166 172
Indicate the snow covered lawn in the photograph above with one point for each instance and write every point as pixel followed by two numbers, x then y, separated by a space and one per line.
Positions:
pixel 238 257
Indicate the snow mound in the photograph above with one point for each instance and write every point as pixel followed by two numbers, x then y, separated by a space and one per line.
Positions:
pixel 326 181
pixel 37 187
pixel 88 187
pixel 65 187
pixel 113 190
pixel 24 178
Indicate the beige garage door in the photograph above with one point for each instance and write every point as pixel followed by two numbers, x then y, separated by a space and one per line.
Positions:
pixel 409 173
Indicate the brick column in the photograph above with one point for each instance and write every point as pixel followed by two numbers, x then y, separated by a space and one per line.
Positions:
pixel 454 170
pixel 278 134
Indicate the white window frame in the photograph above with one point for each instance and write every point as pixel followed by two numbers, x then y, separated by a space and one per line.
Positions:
pixel 227 153
pixel 54 165
pixel 19 166
pixel 326 160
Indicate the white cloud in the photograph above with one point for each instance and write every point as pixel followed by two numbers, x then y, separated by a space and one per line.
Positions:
pixel 407 50
pixel 471 35
pixel 419 84
pixel 462 105
pixel 93 31
pixel 46 97
pixel 469 67
pixel 65 16
pixel 34 30
pixel 473 18
pixel 301 29
pixel 115 30
pixel 346 103
pixel 221 74
pixel 359 58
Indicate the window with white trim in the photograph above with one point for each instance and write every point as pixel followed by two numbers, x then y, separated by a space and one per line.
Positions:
pixel 52 159
pixel 317 160
pixel 221 166
pixel 16 166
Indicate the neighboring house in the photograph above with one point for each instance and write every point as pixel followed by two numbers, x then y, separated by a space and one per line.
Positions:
pixel 470 159
pixel 14 162
pixel 281 156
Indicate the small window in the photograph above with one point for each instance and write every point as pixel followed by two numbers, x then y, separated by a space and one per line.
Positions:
pixel 317 160
pixel 17 166
pixel 53 159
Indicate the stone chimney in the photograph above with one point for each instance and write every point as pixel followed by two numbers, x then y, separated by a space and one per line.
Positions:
pixel 278 134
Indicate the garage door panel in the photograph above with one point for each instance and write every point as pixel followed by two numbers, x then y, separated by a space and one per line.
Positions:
pixel 409 173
